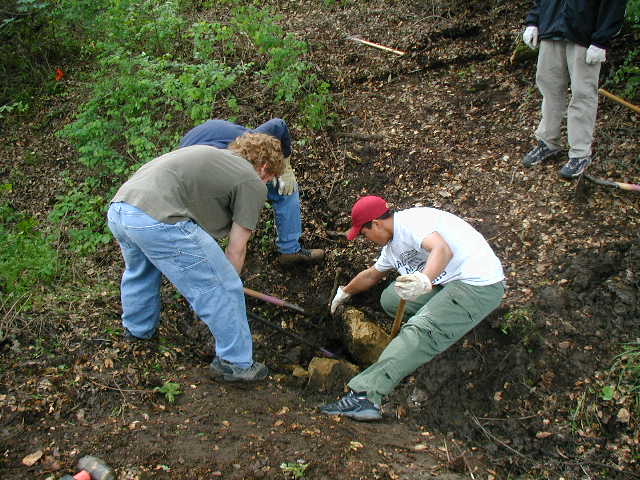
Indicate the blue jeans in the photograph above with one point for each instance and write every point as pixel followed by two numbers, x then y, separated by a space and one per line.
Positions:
pixel 288 219
pixel 194 262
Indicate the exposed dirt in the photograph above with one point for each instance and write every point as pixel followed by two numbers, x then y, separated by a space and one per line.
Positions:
pixel 444 125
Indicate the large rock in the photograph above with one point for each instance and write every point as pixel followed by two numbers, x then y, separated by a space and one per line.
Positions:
pixel 365 340
pixel 329 375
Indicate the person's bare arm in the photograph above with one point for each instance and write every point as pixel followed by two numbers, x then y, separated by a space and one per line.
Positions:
pixel 237 248
pixel 364 281
pixel 440 255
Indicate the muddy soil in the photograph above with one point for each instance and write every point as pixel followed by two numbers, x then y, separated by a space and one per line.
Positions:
pixel 444 125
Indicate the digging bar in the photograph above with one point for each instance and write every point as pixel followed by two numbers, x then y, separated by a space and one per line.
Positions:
pixel 275 300
pixel 295 336
pixel 624 186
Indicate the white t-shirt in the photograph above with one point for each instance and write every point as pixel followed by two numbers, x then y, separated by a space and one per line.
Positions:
pixel 473 259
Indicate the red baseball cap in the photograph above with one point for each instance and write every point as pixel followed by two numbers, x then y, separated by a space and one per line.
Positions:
pixel 364 210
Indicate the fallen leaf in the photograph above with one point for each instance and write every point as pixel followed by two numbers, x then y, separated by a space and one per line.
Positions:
pixel 420 447
pixel 623 415
pixel 32 458
pixel 543 434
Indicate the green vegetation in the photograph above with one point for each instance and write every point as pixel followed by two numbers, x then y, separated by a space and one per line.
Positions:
pixel 294 469
pixel 520 323
pixel 27 257
pixel 170 390
pixel 150 74
pixel 627 77
pixel 626 373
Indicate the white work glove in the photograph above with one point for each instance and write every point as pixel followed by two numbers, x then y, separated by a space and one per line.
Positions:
pixel 530 36
pixel 339 299
pixel 287 181
pixel 595 55
pixel 410 287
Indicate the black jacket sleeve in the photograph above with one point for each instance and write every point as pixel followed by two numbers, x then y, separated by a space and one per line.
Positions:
pixel 534 14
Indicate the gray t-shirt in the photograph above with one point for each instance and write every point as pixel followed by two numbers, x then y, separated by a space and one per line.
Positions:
pixel 210 186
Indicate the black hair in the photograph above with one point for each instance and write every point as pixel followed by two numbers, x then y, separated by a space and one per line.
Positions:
pixel 387 214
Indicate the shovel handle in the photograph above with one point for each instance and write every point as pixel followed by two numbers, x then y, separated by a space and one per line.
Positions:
pixel 397 321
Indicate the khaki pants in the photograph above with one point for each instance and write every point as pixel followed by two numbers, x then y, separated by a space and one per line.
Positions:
pixel 437 320
pixel 561 62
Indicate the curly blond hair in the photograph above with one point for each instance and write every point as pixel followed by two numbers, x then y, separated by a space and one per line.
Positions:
pixel 260 149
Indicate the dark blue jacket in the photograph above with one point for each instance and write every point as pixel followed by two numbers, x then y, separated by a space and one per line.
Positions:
pixel 585 22
pixel 220 133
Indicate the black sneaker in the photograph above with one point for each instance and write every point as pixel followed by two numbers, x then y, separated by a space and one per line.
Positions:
pixel 313 255
pixel 539 154
pixel 222 370
pixel 354 405
pixel 575 167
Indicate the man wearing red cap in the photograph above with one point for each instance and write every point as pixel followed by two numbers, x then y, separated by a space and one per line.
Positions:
pixel 449 277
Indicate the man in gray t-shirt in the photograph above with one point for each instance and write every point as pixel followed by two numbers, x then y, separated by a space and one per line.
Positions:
pixel 167 218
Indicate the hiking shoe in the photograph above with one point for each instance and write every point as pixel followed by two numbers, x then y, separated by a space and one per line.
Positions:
pixel 313 255
pixel 354 405
pixel 129 337
pixel 539 154
pixel 222 370
pixel 575 167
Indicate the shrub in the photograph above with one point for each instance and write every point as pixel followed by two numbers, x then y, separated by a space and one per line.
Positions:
pixel 26 256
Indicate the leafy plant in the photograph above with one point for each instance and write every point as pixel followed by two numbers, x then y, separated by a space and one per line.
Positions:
pixel 628 75
pixel 520 323
pixel 170 390
pixel 26 256
pixel 84 213
pixel 626 370
pixel 294 469
pixel 606 393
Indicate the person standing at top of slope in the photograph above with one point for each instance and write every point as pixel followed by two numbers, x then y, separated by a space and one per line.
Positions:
pixel 282 192
pixel 574 36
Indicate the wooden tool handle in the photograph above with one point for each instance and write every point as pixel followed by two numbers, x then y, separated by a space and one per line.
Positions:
pixel 397 321
pixel 621 101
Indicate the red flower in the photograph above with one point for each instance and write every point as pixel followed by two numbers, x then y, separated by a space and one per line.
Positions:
pixel 59 74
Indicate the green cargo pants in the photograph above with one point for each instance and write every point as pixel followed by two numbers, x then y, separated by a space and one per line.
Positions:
pixel 437 320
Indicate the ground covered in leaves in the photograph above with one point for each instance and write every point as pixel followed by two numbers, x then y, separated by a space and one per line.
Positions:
pixel 533 392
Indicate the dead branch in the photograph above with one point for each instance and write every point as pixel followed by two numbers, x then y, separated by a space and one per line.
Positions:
pixel 375 45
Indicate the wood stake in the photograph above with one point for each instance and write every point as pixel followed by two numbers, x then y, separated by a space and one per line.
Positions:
pixel 397 321
pixel 376 45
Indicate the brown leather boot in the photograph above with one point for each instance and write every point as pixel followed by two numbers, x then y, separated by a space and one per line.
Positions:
pixel 312 255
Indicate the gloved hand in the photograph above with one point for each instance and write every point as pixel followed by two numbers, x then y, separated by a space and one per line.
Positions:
pixel 595 55
pixel 530 36
pixel 339 299
pixel 287 181
pixel 410 287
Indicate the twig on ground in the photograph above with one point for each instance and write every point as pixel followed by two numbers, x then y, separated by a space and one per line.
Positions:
pixel 496 439
pixel 446 449
pixel 376 45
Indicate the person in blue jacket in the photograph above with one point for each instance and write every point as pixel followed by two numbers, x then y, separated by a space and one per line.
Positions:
pixel 282 192
pixel 574 36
